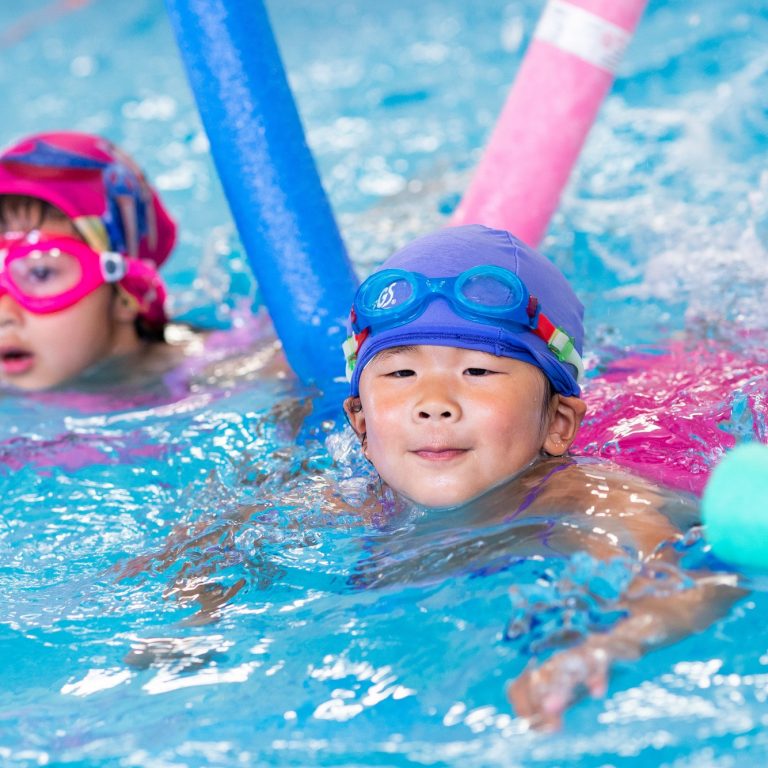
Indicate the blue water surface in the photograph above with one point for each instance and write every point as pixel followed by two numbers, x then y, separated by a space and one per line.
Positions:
pixel 178 585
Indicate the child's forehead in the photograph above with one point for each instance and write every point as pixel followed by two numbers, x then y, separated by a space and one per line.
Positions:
pixel 385 354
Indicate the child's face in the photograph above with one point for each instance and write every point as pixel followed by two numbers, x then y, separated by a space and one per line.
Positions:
pixel 39 351
pixel 442 425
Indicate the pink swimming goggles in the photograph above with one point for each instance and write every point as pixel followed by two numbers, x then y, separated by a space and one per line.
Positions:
pixel 47 273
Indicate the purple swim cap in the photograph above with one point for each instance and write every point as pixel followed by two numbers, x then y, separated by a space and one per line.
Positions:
pixel 448 253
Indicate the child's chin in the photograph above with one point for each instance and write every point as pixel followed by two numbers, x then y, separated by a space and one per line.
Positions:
pixel 25 385
pixel 35 382
pixel 458 496
pixel 443 499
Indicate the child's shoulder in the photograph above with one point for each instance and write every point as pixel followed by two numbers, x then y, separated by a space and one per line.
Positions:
pixel 599 498
pixel 586 483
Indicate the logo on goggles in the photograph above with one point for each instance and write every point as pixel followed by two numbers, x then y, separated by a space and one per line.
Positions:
pixel 386 297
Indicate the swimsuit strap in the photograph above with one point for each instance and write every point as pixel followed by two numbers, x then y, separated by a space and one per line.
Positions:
pixel 533 494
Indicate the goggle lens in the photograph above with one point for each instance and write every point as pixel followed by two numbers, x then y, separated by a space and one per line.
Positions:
pixel 45 273
pixel 490 291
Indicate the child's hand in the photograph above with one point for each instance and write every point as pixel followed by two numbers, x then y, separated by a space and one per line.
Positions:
pixel 543 692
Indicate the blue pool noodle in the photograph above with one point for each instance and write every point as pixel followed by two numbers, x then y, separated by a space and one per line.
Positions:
pixel 269 176
pixel 734 507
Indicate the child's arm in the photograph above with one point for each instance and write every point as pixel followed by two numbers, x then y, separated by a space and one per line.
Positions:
pixel 543 692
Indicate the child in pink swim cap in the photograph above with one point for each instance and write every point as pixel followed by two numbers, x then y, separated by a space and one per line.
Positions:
pixel 82 235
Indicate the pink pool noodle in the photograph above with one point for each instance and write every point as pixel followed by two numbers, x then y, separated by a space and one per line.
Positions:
pixel 567 70
pixel 670 415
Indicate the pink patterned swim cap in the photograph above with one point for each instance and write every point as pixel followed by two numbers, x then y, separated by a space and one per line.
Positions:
pixel 110 202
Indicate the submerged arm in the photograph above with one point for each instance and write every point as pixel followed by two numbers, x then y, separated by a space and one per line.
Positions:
pixel 543 692
pixel 664 602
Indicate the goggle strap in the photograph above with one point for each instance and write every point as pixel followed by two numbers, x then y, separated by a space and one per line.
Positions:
pixel 351 347
pixel 350 355
pixel 561 343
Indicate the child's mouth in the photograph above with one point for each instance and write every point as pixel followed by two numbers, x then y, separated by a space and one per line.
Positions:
pixel 15 360
pixel 440 454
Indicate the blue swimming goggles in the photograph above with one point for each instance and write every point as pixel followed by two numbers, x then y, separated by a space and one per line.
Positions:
pixel 485 294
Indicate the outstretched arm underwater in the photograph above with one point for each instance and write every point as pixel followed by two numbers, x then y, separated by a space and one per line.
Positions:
pixel 544 691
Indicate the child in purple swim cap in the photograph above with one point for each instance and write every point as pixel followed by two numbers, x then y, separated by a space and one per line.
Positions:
pixel 465 372
pixel 82 237
pixel 464 364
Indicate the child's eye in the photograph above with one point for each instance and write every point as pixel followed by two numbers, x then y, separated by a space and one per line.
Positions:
pixel 478 372
pixel 27 272
pixel 41 273
pixel 36 269
pixel 401 373
pixel 45 275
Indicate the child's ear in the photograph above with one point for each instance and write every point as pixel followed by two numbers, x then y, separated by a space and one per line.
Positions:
pixel 354 410
pixel 124 307
pixel 565 418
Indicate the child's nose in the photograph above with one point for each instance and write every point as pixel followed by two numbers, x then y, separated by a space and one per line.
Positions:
pixel 437 403
pixel 10 311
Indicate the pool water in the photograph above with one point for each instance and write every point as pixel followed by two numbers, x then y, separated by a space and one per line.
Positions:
pixel 178 586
